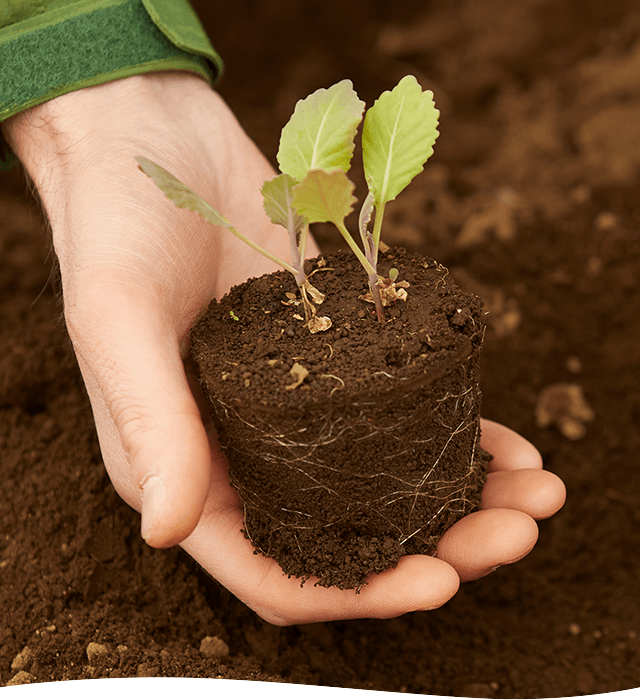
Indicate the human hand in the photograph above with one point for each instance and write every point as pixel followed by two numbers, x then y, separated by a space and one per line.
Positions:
pixel 136 272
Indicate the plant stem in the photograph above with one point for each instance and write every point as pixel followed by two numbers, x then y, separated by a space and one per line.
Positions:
pixel 370 269
pixel 295 258
pixel 262 251
pixel 302 245
pixel 377 230
pixel 363 226
pixel 377 299
pixel 355 248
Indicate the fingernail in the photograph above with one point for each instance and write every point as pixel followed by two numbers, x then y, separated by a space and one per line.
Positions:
pixel 153 493
pixel 495 568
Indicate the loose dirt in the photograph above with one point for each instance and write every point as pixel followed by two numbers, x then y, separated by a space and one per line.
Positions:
pixel 531 202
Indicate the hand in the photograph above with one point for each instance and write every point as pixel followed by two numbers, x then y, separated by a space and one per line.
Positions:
pixel 136 272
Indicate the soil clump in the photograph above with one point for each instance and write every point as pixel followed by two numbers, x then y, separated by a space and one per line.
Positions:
pixel 353 446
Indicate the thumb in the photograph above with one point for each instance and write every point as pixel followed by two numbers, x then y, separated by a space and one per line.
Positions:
pixel 153 442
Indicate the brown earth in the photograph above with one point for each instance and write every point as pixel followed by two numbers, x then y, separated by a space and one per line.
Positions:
pixel 531 200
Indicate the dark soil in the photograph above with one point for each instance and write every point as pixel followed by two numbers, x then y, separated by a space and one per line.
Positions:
pixel 531 200
pixel 355 445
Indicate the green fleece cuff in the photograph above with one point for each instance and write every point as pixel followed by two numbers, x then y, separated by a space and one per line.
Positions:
pixel 96 41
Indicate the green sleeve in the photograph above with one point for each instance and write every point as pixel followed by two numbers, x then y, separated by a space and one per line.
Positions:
pixel 52 47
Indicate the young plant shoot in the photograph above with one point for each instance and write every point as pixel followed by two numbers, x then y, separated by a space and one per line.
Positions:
pixel 315 153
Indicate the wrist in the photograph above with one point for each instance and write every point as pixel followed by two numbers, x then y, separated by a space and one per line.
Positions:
pixel 32 136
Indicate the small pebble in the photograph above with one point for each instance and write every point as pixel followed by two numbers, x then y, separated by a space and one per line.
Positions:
pixel 96 651
pixel 214 647
pixel 21 678
pixel 21 660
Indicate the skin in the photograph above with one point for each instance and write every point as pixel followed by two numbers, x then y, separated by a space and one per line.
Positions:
pixel 136 271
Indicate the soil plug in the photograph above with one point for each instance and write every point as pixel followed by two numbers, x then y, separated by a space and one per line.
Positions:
pixel 379 454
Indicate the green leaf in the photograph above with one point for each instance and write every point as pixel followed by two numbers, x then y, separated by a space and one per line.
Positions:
pixel 324 196
pixel 398 136
pixel 185 198
pixel 181 195
pixel 321 131
pixel 278 198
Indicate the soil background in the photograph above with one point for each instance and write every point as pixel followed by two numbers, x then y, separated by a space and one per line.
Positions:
pixel 532 201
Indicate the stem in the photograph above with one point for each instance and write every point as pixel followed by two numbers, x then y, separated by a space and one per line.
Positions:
pixel 377 230
pixel 302 245
pixel 262 251
pixel 370 251
pixel 293 246
pixel 377 300
pixel 370 269
pixel 363 226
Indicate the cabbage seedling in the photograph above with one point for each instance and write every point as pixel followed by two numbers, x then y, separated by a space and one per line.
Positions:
pixel 314 155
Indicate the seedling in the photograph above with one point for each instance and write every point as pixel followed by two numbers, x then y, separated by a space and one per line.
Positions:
pixel 315 153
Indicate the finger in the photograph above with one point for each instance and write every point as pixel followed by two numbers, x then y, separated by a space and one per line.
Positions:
pixel 417 583
pixel 536 492
pixel 482 541
pixel 510 451
pixel 152 438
